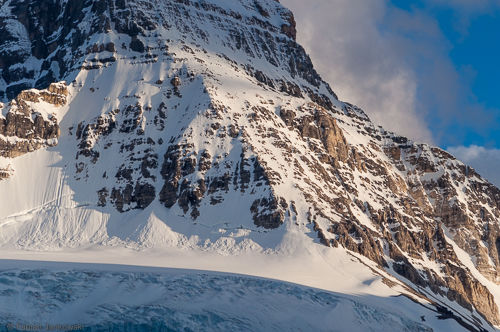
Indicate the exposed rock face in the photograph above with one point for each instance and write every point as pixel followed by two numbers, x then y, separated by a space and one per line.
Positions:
pixel 53 35
pixel 24 129
pixel 323 127
pixel 5 172
pixel 269 212
pixel 222 117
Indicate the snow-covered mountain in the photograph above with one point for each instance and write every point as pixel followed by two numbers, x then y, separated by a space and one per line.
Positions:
pixel 202 125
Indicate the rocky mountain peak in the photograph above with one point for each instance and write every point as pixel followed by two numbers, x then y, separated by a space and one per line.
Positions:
pixel 204 124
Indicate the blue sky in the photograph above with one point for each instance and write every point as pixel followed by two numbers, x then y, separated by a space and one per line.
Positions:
pixel 426 69
pixel 473 35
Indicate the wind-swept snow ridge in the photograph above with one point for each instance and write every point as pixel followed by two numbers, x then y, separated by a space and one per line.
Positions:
pixel 203 124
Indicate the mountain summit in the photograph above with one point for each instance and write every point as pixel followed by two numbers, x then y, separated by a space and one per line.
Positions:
pixel 203 124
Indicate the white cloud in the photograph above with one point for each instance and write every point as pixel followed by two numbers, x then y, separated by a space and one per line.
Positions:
pixel 485 161
pixel 394 63
pixel 364 65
